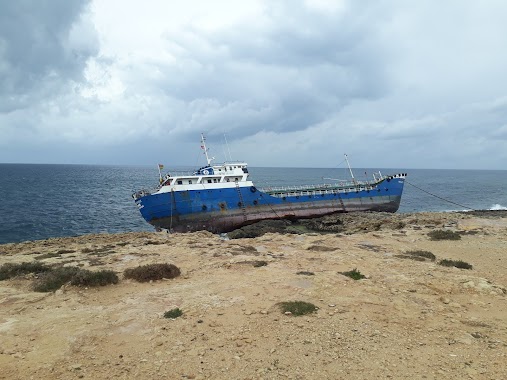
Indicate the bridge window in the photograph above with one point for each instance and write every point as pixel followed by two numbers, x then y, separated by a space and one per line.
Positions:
pixel 190 182
pixel 209 180
pixel 180 182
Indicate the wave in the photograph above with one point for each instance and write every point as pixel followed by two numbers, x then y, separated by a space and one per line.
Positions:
pixel 497 207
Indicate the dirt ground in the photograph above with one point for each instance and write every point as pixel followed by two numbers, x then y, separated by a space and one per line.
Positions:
pixel 407 319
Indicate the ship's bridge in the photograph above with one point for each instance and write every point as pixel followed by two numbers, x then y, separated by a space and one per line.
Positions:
pixel 209 176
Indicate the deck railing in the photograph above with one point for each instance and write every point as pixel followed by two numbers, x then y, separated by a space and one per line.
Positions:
pixel 359 185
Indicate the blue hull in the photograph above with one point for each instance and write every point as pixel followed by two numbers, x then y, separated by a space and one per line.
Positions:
pixel 226 209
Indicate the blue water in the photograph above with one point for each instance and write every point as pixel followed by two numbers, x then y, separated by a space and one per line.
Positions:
pixel 43 201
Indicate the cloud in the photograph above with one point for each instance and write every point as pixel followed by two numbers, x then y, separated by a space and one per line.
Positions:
pixel 43 45
pixel 293 82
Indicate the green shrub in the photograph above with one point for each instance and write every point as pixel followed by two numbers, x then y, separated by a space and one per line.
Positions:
pixel 88 278
pixel 297 308
pixel 174 313
pixel 354 274
pixel 10 270
pixel 455 263
pixel 54 279
pixel 152 272
pixel 422 254
pixel 444 235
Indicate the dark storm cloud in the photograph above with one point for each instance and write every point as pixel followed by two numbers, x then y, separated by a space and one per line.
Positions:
pixel 295 70
pixel 42 45
pixel 420 83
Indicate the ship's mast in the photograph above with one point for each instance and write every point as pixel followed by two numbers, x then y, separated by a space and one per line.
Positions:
pixel 350 169
pixel 203 146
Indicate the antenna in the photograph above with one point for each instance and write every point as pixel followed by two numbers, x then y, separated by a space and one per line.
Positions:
pixel 228 150
pixel 203 146
pixel 348 164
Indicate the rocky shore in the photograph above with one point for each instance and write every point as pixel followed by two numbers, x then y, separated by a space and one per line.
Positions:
pixel 410 317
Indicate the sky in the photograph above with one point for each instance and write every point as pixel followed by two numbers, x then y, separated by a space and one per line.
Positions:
pixel 296 83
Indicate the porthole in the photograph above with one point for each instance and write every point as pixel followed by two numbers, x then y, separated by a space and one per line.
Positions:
pixel 255 202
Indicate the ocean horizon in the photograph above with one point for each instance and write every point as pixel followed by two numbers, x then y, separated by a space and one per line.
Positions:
pixel 55 200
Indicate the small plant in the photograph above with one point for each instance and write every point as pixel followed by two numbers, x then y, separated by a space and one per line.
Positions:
pixel 88 278
pixel 152 272
pixel 54 279
pixel 10 270
pixel 354 274
pixel 305 273
pixel 297 308
pixel 174 313
pixel 455 263
pixel 422 254
pixel 444 235
pixel 259 263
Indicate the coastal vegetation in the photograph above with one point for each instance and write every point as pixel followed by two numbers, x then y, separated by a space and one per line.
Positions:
pixel 444 235
pixel 152 272
pixel 56 277
pixel 10 270
pixel 297 308
pixel 455 263
pixel 173 313
pixel 354 274
pixel 86 277
pixel 418 255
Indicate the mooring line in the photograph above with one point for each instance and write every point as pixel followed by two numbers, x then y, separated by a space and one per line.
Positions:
pixel 436 196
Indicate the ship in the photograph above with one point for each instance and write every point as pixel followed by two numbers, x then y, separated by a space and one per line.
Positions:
pixel 221 198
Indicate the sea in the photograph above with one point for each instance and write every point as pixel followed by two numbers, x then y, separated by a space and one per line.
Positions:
pixel 46 201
